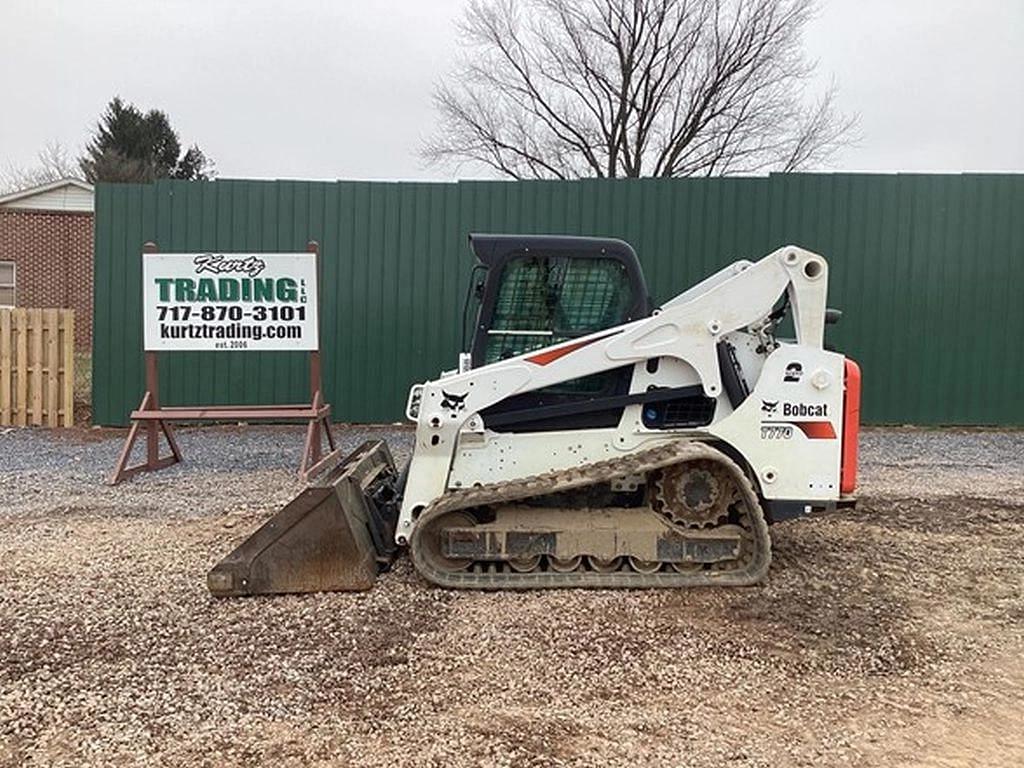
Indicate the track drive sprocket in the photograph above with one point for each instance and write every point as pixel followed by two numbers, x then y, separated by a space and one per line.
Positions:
pixel 693 495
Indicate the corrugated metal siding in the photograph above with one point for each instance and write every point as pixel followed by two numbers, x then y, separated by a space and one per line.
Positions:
pixel 927 269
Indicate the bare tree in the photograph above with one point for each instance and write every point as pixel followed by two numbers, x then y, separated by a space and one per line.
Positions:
pixel 574 88
pixel 52 164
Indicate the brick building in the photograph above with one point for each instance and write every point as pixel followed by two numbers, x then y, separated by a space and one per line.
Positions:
pixel 46 241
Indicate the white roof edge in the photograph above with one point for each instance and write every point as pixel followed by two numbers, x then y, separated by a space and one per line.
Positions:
pixel 22 193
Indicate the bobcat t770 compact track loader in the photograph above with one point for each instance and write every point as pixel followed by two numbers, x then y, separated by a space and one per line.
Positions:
pixel 589 438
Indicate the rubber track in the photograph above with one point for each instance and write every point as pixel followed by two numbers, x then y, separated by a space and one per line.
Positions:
pixel 588 474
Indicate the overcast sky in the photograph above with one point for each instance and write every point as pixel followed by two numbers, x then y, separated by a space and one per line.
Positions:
pixel 307 89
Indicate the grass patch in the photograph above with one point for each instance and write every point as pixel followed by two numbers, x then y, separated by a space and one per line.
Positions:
pixel 83 387
pixel 83 377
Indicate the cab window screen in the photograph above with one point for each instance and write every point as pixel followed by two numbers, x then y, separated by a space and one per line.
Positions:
pixel 544 300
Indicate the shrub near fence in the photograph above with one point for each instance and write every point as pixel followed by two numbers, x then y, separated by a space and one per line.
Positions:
pixel 37 367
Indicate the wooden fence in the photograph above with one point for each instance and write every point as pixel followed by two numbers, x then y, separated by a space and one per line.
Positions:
pixel 37 367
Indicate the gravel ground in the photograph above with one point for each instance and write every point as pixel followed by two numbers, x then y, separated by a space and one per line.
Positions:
pixel 889 635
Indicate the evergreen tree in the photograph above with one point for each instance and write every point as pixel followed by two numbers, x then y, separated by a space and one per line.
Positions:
pixel 129 145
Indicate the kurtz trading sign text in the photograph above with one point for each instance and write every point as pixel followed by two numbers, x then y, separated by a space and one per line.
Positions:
pixel 230 301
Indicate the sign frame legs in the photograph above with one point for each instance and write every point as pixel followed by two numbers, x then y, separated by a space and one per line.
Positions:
pixel 154 427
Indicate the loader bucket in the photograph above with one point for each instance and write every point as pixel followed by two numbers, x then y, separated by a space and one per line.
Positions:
pixel 331 537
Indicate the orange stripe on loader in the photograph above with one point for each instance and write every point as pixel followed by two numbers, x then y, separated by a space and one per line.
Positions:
pixel 817 430
pixel 550 355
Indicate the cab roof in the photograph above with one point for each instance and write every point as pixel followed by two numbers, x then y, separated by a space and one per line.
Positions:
pixel 494 249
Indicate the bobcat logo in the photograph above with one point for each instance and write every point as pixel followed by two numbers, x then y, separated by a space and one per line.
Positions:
pixel 454 403
pixel 769 407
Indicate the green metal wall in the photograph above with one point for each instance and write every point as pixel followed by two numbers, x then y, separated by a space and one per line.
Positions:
pixel 928 270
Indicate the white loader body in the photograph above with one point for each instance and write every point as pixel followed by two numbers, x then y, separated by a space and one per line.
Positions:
pixel 788 430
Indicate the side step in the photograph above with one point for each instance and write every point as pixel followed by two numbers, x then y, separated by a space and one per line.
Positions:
pixel 331 537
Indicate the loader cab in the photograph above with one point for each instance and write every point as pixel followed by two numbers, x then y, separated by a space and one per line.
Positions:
pixel 537 291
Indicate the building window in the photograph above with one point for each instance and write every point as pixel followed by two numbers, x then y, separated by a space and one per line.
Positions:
pixel 6 283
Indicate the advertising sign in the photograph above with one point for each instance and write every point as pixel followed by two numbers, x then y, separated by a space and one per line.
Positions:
pixel 230 301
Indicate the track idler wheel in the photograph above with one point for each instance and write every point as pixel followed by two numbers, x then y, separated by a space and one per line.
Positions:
pixel 433 542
